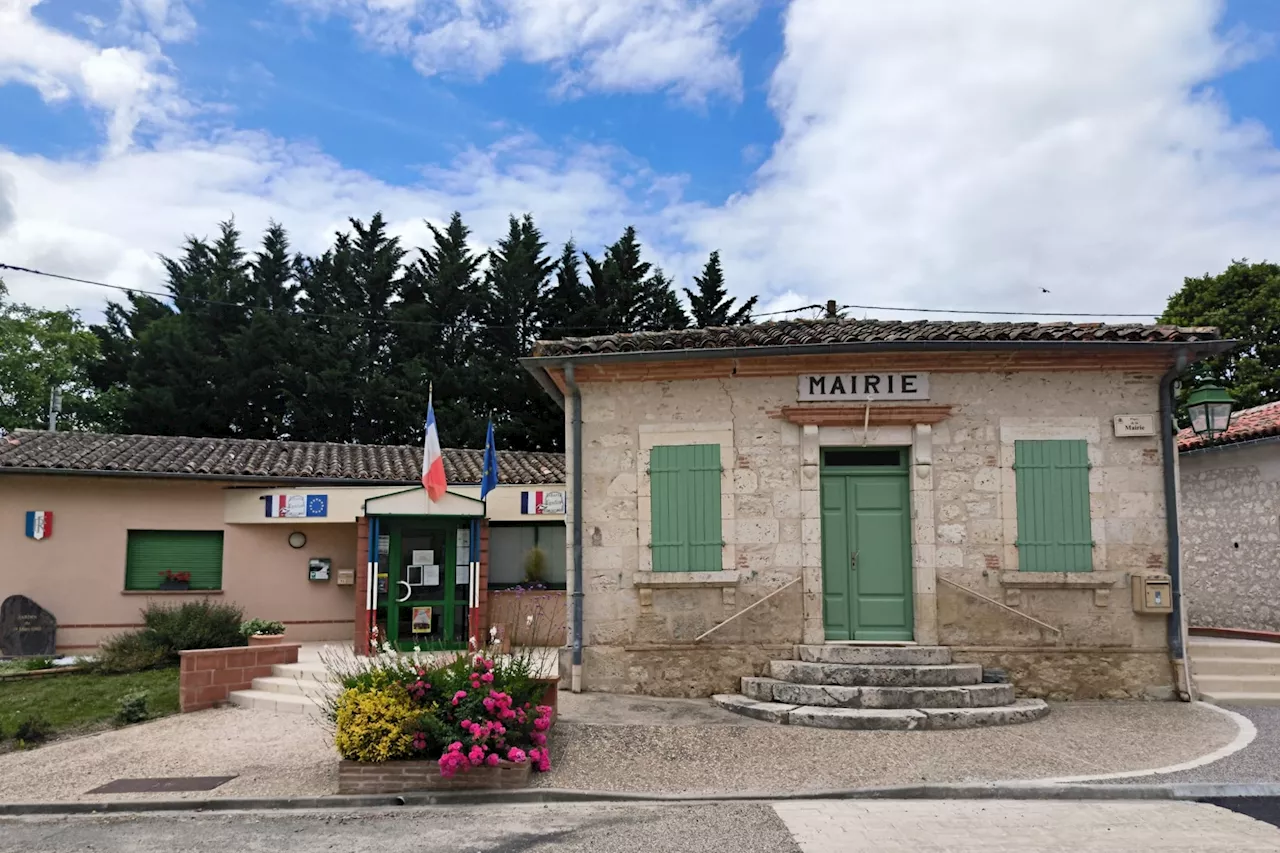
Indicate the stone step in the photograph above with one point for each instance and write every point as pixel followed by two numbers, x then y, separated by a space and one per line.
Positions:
pixel 312 671
pixel 1213 647
pixel 832 696
pixel 1241 667
pixel 294 686
pixel 856 675
pixel 280 703
pixel 901 719
pixel 1237 684
pixel 876 655
pixel 1269 699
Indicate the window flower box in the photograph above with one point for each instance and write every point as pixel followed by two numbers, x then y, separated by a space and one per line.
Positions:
pixel 175 580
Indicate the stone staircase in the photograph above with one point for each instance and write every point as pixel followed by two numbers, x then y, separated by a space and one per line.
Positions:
pixel 879 687
pixel 292 688
pixel 1236 672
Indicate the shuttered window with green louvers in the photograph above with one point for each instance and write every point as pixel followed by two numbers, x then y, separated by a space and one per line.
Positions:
pixel 151 553
pixel 684 506
pixel 1054 530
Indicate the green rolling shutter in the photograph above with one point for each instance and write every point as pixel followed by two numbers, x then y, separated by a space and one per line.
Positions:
pixel 151 552
pixel 685 502
pixel 1054 533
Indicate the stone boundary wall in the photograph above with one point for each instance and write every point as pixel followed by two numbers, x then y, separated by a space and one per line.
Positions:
pixel 209 675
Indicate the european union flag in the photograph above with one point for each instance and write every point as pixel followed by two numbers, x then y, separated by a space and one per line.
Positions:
pixel 489 479
pixel 317 506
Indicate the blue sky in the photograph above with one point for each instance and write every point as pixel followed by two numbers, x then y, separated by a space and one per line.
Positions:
pixel 916 155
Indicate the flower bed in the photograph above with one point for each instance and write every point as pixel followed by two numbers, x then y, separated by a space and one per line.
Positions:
pixel 473 719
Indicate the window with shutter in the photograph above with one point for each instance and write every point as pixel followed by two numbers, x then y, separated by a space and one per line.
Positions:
pixel 1054 531
pixel 150 553
pixel 685 508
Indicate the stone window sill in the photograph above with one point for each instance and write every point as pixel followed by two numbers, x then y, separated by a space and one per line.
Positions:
pixel 171 592
pixel 685 580
pixel 1060 580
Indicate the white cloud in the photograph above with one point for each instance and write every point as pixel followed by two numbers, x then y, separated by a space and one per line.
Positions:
pixel 603 45
pixel 108 220
pixel 129 85
pixel 168 20
pixel 940 154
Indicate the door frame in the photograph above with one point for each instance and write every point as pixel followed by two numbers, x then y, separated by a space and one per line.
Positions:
pixel 901 471
pixel 448 567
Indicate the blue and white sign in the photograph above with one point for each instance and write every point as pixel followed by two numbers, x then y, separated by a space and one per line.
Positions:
pixel 296 506
pixel 317 506
pixel 39 524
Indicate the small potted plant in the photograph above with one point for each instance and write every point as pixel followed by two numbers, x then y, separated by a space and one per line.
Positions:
pixel 175 580
pixel 263 632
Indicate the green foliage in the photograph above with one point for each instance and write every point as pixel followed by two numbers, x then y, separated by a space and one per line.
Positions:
pixel 710 305
pixel 535 566
pixel 33 729
pixel 135 651
pixel 261 626
pixel 40 349
pixel 195 625
pixel 132 708
pixel 1244 303
pixel 33 664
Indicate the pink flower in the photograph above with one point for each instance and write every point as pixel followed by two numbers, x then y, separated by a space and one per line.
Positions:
pixel 507 714
pixel 489 705
pixel 544 765
pixel 544 710
pixel 516 755
pixel 499 728
pixel 475 730
pixel 461 694
pixel 456 746
pixel 466 724
pixel 542 724
pixel 476 755
pixel 535 755
pixel 475 684
pixel 487 677
pixel 492 759
pixel 539 738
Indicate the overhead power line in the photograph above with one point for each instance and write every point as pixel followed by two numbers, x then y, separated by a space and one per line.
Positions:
pixel 1001 313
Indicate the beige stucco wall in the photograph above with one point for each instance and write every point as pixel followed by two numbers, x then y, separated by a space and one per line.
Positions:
pixel 964 527
pixel 1230 524
pixel 78 573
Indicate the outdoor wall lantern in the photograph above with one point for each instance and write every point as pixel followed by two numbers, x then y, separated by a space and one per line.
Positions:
pixel 1210 409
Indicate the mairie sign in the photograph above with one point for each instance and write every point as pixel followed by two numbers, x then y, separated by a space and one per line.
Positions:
pixel 863 386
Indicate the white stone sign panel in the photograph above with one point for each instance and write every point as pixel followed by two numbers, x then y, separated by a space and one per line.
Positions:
pixel 1135 425
pixel 819 387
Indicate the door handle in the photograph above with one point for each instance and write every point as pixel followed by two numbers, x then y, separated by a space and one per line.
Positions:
pixel 408 591
pixel 853 560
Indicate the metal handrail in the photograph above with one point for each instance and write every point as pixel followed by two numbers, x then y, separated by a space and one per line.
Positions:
pixel 745 609
pixel 990 600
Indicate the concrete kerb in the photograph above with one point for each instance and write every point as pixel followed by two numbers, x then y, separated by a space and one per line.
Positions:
pixel 546 796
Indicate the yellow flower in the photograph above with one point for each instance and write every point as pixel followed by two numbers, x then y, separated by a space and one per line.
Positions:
pixel 375 725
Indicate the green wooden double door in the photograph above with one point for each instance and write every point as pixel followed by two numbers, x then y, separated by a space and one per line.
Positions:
pixel 423 591
pixel 866 545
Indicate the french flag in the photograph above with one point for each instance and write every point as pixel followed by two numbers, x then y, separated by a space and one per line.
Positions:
pixel 277 506
pixel 432 459
pixel 39 524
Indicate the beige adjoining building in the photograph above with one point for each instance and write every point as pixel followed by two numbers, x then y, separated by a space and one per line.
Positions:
pixel 1231 523
pixel 94 527
pixel 998 489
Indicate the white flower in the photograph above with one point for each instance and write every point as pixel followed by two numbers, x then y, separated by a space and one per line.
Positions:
pixel 493 632
pixel 528 620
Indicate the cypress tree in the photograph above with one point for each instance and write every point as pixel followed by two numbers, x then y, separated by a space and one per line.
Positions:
pixel 710 305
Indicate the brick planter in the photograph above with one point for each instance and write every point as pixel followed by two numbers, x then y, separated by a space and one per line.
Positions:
pixel 397 777
pixel 266 639
pixel 209 675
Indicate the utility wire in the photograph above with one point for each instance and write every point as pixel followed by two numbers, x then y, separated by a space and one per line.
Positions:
pixel 394 321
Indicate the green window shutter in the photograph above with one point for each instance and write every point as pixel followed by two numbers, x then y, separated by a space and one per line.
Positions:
pixel 151 552
pixel 1054 533
pixel 684 501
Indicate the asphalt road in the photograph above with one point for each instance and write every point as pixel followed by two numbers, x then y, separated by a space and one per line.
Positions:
pixel 806 826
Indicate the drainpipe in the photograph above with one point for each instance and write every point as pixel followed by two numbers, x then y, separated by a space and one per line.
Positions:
pixel 1177 647
pixel 575 427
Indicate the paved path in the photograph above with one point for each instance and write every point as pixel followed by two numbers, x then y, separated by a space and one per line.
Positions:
pixel 1259 762
pixel 881 826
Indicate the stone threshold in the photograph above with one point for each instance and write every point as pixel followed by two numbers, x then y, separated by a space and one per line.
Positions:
pixel 685 580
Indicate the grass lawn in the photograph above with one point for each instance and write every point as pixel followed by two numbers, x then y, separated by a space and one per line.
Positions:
pixel 82 702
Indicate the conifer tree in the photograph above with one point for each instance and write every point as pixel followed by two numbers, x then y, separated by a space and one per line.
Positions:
pixel 709 305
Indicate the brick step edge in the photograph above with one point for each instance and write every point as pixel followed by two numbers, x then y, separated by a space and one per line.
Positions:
pixel 892 719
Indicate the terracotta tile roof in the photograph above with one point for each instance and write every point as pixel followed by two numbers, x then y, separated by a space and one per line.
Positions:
pixel 1259 422
pixel 841 331
pixel 29 450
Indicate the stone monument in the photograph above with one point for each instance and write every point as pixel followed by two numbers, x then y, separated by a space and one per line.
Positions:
pixel 26 628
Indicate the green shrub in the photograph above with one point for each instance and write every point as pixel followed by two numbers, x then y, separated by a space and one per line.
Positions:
pixel 261 626
pixel 32 664
pixel 132 709
pixel 195 625
pixel 535 565
pixel 33 729
pixel 132 652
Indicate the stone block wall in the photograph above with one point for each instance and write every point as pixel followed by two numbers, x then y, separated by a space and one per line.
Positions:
pixel 1230 525
pixel 643 639
pixel 207 676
